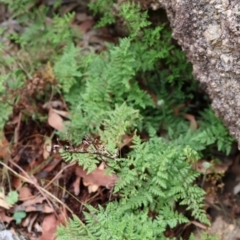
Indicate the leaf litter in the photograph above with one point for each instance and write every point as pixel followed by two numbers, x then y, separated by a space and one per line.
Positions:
pixel 36 171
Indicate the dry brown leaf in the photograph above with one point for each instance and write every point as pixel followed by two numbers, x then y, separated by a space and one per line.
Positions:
pixel 33 201
pixel 49 227
pixel 17 182
pixel 97 177
pixel 92 187
pixel 24 193
pixel 61 113
pixel 55 121
pixel 126 141
pixel 86 25
pixel 189 117
pixel 192 120
pixel 216 168
pixel 4 217
pixel 63 216
pixel 47 209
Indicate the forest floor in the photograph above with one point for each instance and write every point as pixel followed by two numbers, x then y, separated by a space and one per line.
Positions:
pixel 29 150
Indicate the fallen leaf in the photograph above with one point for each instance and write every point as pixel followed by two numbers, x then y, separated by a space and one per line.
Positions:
pixel 17 181
pixel 47 209
pixel 92 187
pixel 86 25
pixel 192 120
pixel 215 168
pixel 24 193
pixel 97 177
pixel 63 216
pixel 49 227
pixel 61 113
pixel 55 121
pixel 4 217
pixel 126 141
pixel 33 201
pixel 53 104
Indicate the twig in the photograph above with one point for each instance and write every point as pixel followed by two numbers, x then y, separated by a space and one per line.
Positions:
pixel 34 183
pixel 52 180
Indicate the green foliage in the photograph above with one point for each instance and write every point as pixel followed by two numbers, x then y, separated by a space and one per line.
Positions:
pixel 104 8
pixel 38 31
pixel 18 216
pixel 116 122
pixel 10 81
pixel 205 236
pixel 39 43
pixel 160 176
pixel 155 175
pixel 135 20
pixel 133 87
pixel 12 197
pixel 68 74
pixel 18 7
pixel 213 131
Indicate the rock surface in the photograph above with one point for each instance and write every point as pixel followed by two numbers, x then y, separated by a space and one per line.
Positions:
pixel 209 33
pixel 8 234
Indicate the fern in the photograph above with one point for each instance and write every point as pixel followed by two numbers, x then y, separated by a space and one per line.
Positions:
pixel 135 20
pixel 18 7
pixel 159 176
pixel 213 131
pixel 67 75
pixel 105 8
